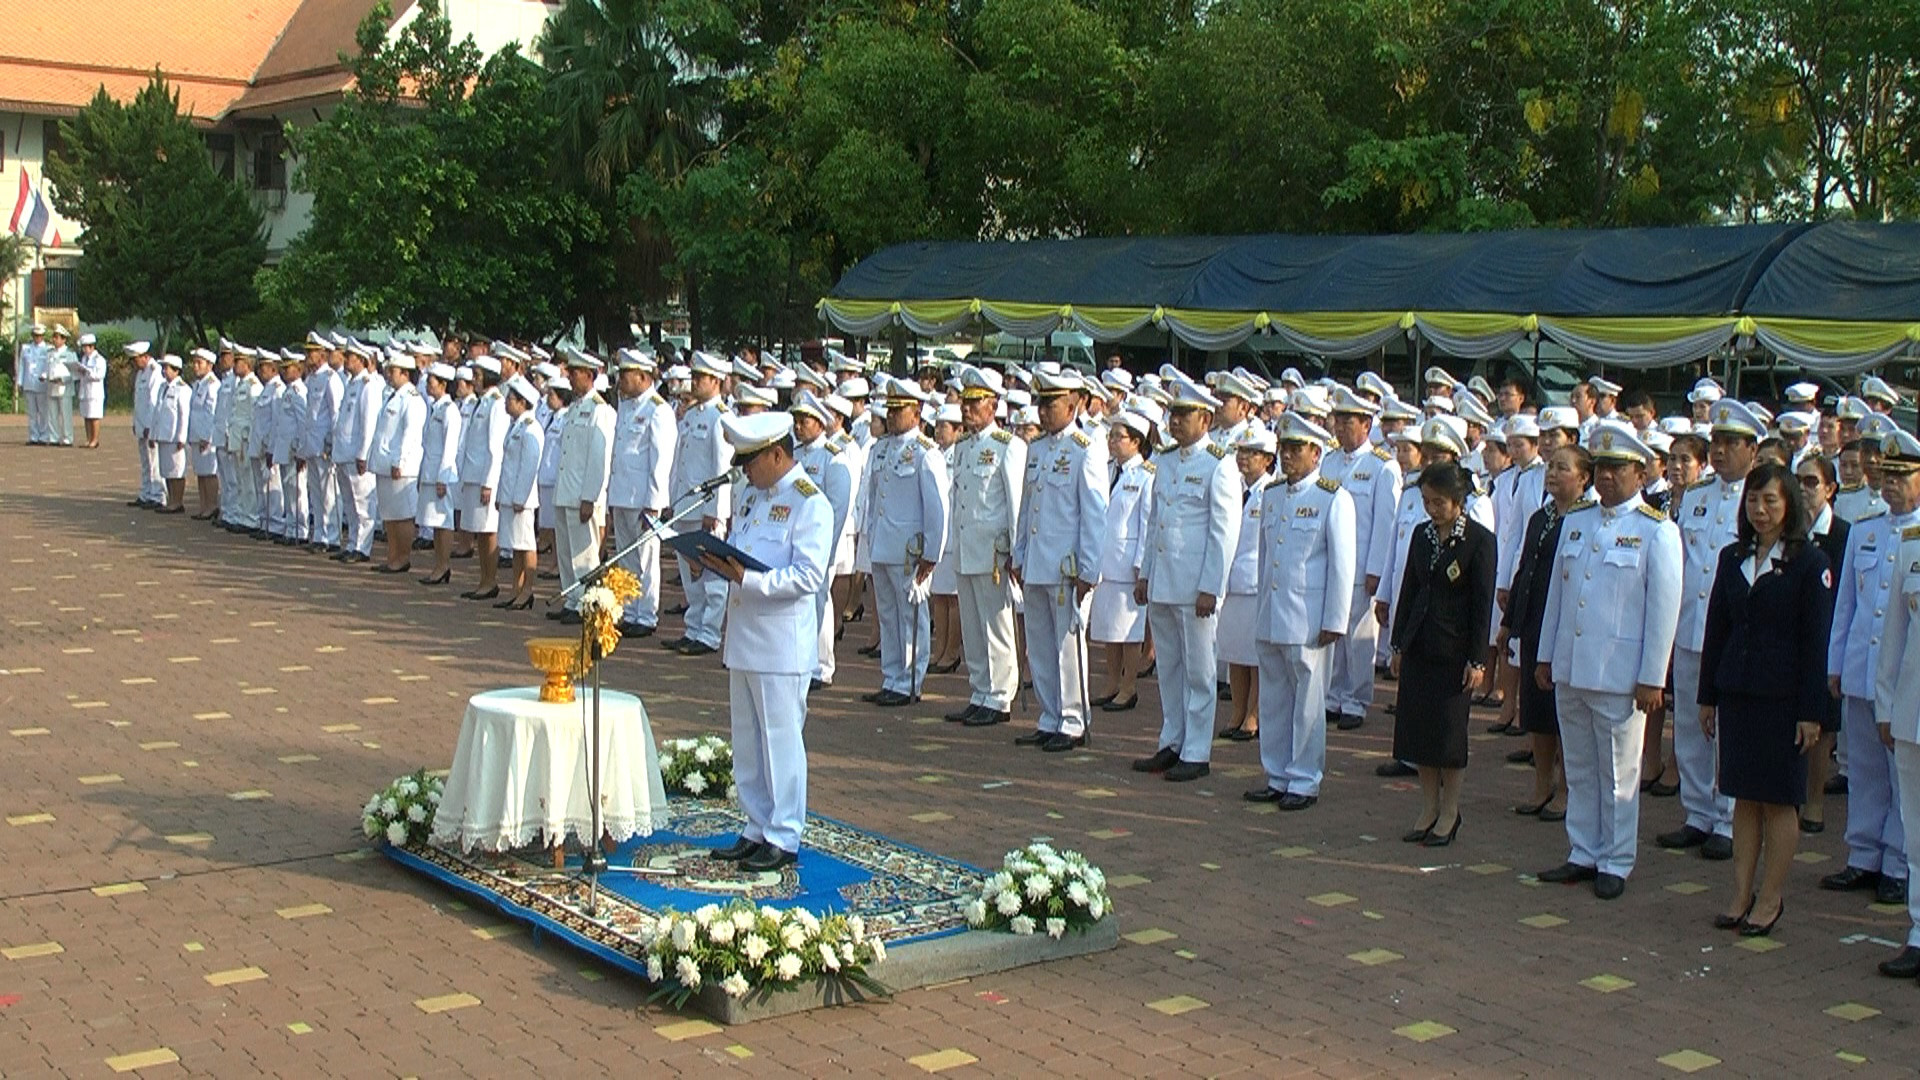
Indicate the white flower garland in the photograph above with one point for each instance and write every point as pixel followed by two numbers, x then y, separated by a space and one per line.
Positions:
pixel 402 814
pixel 745 949
pixel 1040 889
pixel 702 767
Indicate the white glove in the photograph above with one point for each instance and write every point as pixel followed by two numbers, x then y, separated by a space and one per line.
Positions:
pixel 918 591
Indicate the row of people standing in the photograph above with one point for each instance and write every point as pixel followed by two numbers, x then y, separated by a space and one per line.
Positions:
pixel 61 384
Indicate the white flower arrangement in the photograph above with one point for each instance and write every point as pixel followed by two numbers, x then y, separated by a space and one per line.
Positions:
pixel 402 815
pixel 746 950
pixel 702 767
pixel 1038 889
pixel 601 600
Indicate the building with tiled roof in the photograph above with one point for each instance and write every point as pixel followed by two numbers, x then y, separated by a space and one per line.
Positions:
pixel 244 69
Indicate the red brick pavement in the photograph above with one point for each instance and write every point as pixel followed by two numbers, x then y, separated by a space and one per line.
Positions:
pixel 173 667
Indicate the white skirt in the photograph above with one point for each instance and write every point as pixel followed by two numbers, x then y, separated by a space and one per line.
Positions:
pixel 543 517
pixel 206 462
pixel 862 555
pixel 432 511
pixel 517 529
pixel 475 518
pixel 1233 641
pixel 397 499
pixel 173 461
pixel 843 555
pixel 93 402
pixel 1115 618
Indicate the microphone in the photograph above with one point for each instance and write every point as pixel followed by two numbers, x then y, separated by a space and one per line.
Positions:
pixel 708 487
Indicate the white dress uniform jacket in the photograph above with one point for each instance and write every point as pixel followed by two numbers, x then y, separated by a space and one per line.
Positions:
pixel 1063 508
pixel 1371 478
pixel 202 411
pixel 398 439
pixel 439 451
pixel 1114 616
pixel 1308 562
pixel 644 438
pixel 1896 699
pixel 1193 527
pixel 1861 607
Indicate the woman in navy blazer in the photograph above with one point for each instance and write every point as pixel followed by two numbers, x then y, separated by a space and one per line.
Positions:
pixel 1763 685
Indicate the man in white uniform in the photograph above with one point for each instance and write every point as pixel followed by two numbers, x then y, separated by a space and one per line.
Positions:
pixel 701 453
pixel 324 390
pixel 907 523
pixel 785 522
pixel 1371 478
pixel 289 424
pixel 580 484
pixel 355 420
pixel 242 502
pixel 644 436
pixel 989 468
pixel 1896 696
pixel 820 451
pixel 147 381
pixel 30 376
pixel 1193 530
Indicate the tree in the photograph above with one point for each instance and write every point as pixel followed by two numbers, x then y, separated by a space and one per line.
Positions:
pixel 429 208
pixel 166 239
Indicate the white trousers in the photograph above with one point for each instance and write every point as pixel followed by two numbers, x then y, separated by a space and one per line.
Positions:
pixel 293 499
pixel 1600 740
pixel 576 547
pixel 1293 715
pixel 36 415
pixel 323 493
pixel 1350 684
pixel 986 636
pixel 829 622
pixel 242 506
pixel 706 595
pixel 1876 839
pixel 1185 650
pixel 769 754
pixel 643 563
pixel 904 630
pixel 357 513
pixel 1698 756
pixel 1906 768
pixel 59 415
pixel 273 506
pixel 229 493
pixel 152 487
pixel 1057 655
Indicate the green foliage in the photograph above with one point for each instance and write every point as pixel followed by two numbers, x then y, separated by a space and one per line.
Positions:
pixel 167 239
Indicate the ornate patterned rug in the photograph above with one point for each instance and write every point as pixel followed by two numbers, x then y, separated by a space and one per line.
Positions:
pixel 903 893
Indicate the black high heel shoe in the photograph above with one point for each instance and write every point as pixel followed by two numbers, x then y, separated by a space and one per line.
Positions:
pixel 1419 836
pixel 1734 922
pixel 509 605
pixel 1434 839
pixel 856 614
pixel 1121 706
pixel 1749 928
pixel 488 595
pixel 944 669
pixel 445 576
pixel 1104 700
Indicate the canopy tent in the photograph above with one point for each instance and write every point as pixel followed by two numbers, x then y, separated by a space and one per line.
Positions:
pixel 1838 297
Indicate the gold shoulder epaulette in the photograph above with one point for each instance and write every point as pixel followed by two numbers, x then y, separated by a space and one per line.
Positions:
pixel 1329 485
pixel 1851 487
pixel 1911 532
pixel 1651 512
pixel 1216 450
pixel 1002 435
pixel 1150 467
pixel 1383 453
pixel 721 405
pixel 1705 481
pixel 1080 439
pixel 805 487
pixel 1875 512
pixel 927 443
pixel 1583 504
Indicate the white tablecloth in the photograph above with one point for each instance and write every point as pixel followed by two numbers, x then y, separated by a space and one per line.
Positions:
pixel 520 771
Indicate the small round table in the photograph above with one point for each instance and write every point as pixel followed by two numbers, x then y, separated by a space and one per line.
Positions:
pixel 520 771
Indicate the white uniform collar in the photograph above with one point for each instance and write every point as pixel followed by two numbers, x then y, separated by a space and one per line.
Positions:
pixel 1305 482
pixel 1632 503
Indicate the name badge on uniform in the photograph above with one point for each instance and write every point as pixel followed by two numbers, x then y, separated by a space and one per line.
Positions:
pixel 1626 541
pixel 1700 511
pixel 1574 535
pixel 779 513
pixel 1306 512
pixel 1453 571
pixel 1362 476
pixel 1193 478
pixel 986 457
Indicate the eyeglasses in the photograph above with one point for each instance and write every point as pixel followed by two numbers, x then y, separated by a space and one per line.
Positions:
pixel 1811 481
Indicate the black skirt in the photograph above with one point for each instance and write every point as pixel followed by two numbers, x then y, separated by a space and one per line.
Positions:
pixel 1538 715
pixel 1758 760
pixel 1430 719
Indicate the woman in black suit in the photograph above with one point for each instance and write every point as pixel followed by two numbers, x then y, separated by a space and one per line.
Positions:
pixel 1818 484
pixel 1763 686
pixel 1440 645
pixel 1569 472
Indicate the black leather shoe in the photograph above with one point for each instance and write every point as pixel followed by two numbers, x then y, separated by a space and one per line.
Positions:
pixel 641 631
pixel 1292 801
pixel 739 849
pixel 1520 757
pixel 1349 723
pixel 1163 759
pixel 875 696
pixel 1685 836
pixel 1395 768
pixel 871 650
pixel 554 614
pixel 1812 828
pixel 1836 785
pixel 768 858
pixel 677 609
pixel 1263 794
pixel 963 715
pixel 1567 873
pixel 1058 742
pixel 691 648
pixel 989 717
pixel 1904 964
pixel 1103 699
pixel 1717 848
pixel 1031 738
pixel 816 684
pixel 895 699
pixel 1892 890
pixel 1851 879
pixel 671 646
pixel 1187 770
pixel 1611 887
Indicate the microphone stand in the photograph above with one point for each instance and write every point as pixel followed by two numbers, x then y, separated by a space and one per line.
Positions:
pixel 593 861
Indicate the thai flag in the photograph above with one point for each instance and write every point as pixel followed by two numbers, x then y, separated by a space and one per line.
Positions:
pixel 31 217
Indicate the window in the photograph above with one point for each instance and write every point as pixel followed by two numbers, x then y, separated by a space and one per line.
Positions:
pixel 270 163
pixel 220 152
pixel 50 141
pixel 59 290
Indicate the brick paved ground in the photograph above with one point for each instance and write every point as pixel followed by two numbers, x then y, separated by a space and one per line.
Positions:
pixel 192 721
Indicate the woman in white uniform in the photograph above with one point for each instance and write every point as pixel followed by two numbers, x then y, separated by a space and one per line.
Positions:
pixel 399 442
pixel 946 579
pixel 204 404
pixel 559 396
pixel 1114 619
pixel 1254 453
pixel 439 471
pixel 170 421
pixel 91 372
pixel 518 496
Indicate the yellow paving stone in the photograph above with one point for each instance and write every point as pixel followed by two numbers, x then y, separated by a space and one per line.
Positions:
pixel 739 1051
pixel 1095 793
pixel 1260 808
pixel 29 671
pixel 1686 888
pixel 88 704
pixel 379 701
pixel 1127 881
pixel 941 1060
pixel 26 732
pixel 194 946
pixel 361 633
pixel 162 745
pixel 142 1059
pixel 415 678
pixel 30 819
pixel 126 633
pixel 1185 954
pixel 28 952
pixel 236 975
pixel 250 796
pixel 445 1003
pixel 224 641
pixel 932 816
pixel 1209 866
pixel 123 889
pixel 1811 857
pixel 1543 921
pixel 1851 1059
pixel 297 759
pixel 102 778
pixel 119 723
pixel 290 668
pixel 185 839
pixel 1488 868
pixel 1851 1011
pixel 687 1029
pixel 1332 899
pixel 1150 936
pixel 442 658
pixel 78 650
pixel 1424 1031
pixel 256 691
pixel 140 681
pixel 1767 944
pixel 339 729
pixel 1887 909
pixel 331 649
pixel 1109 834
pixel 1375 957
pixel 183 659
pixel 300 1028
pixel 304 911
pixel 591 975
pixel 189 764
pixel 1374 915
pixel 931 778
pixel 163 616
pixel 1179 1003
pixel 495 933
pixel 212 716
pixel 264 622
pixel 1688 1061
pixel 1606 984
